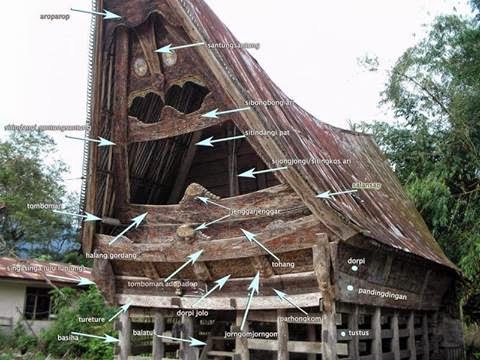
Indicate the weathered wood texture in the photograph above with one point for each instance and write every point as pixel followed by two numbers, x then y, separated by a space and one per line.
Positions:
pixel 125 335
pixel 282 336
pixel 158 348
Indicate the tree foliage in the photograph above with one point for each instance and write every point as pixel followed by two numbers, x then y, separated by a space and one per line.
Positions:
pixel 434 92
pixel 27 179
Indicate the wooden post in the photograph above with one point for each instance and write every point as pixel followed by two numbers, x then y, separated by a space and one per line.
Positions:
pixel 282 336
pixel 120 118
pixel 188 351
pixel 426 340
pixel 125 334
pixel 395 337
pixel 411 336
pixel 321 266
pixel 353 345
pixel 377 334
pixel 158 328
pixel 312 337
pixel 241 345
pixel 435 342
pixel 329 335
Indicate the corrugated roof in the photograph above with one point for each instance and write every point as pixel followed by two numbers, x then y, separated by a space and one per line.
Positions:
pixel 36 270
pixel 386 215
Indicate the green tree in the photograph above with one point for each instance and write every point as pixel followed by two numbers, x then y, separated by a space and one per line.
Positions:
pixel 26 178
pixel 434 92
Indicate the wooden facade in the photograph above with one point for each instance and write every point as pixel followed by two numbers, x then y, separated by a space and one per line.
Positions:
pixel 365 267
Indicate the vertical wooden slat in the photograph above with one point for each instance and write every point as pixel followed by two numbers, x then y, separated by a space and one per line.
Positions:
pixel 241 346
pixel 377 334
pixel 189 352
pixel 395 337
pixel 353 345
pixel 282 337
pixel 329 334
pixel 411 336
pixel 312 337
pixel 120 119
pixel 232 147
pixel 435 342
pixel 159 328
pixel 322 266
pixel 426 340
pixel 125 335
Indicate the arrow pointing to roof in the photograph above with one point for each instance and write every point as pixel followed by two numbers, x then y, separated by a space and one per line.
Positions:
pixel 209 141
pixel 192 341
pixel 191 259
pixel 167 49
pixel 253 287
pixel 206 225
pixel 214 113
pixel 251 237
pixel 123 309
pixel 206 201
pixel 81 280
pixel 106 338
pixel 251 173
pixel 219 285
pixel 135 222
pixel 283 296
pixel 107 15
pixel 101 141
pixel 87 217
pixel 328 194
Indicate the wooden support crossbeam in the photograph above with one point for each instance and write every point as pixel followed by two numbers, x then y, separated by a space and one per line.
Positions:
pixel 305 347
pixel 278 240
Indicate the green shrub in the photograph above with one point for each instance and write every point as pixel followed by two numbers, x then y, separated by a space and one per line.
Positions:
pixel 69 305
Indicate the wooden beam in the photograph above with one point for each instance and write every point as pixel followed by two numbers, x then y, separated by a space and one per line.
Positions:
pixel 217 302
pixel 185 166
pixel 241 343
pixel 282 336
pixel 279 197
pixel 120 118
pixel 125 335
pixel 395 337
pixel 291 236
pixel 411 336
pixel 425 339
pixel 377 334
pixel 304 347
pixel 158 348
pixel 150 271
pixel 172 123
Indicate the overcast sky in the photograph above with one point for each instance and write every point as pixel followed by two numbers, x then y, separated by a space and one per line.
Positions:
pixel 308 47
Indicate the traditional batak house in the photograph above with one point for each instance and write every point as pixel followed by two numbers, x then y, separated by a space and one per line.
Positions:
pixel 361 264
